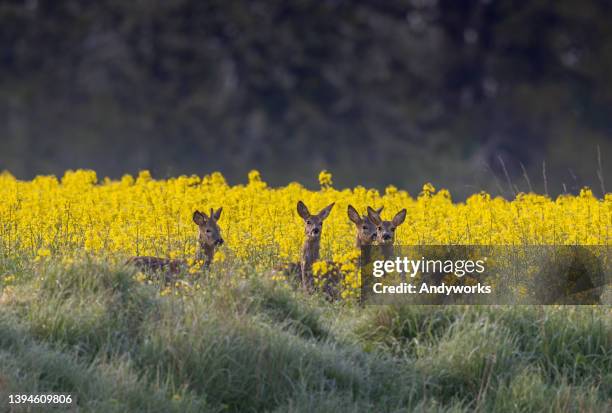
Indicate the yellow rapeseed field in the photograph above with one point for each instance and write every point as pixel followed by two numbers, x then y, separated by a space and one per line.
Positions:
pixel 143 215
pixel 80 213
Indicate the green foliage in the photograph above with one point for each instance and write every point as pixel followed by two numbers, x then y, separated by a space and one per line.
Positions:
pixel 88 328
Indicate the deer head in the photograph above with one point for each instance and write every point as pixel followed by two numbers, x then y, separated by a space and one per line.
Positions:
pixel 209 232
pixel 385 230
pixel 313 224
pixel 366 230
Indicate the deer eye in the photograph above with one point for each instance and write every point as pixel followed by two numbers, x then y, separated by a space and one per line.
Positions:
pixel 364 227
pixel 380 228
pixel 393 229
pixel 309 222
pixel 208 231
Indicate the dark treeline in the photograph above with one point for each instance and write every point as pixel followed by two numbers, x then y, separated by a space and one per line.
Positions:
pixel 394 92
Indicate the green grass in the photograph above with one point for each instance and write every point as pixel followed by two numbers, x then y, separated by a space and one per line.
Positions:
pixel 252 345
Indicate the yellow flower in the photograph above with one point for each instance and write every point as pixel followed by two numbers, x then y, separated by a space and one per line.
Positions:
pixel 144 177
pixel 42 253
pixel 140 277
pixel 319 267
pixel 390 190
pixel 9 278
pixel 325 179
pixel 146 216
pixel 254 176
pixel 428 189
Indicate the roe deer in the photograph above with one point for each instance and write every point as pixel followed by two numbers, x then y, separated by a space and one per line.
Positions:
pixel 366 229
pixel 366 235
pixel 313 226
pixel 385 230
pixel 331 279
pixel 209 237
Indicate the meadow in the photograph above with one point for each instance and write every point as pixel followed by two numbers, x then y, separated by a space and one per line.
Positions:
pixel 75 319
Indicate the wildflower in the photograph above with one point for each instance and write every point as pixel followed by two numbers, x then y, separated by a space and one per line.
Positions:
pixel 428 190
pixel 144 177
pixel 325 179
pixel 320 267
pixel 148 216
pixel 254 176
pixel 390 190
pixel 140 277
pixel 42 253
pixel 219 256
pixel 8 279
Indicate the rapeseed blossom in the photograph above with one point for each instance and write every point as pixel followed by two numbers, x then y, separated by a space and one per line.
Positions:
pixel 48 216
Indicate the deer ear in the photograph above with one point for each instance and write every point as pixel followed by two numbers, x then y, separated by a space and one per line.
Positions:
pixel 325 211
pixel 353 215
pixel 399 218
pixel 217 214
pixel 303 210
pixel 199 218
pixel 379 210
pixel 374 216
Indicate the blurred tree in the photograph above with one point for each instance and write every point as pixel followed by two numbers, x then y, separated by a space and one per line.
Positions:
pixel 395 92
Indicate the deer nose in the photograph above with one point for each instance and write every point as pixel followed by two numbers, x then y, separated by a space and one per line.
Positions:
pixel 386 237
pixel 219 241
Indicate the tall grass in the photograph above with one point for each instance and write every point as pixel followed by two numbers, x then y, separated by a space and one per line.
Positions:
pixel 90 329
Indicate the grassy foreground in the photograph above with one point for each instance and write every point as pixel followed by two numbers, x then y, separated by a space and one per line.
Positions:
pixel 89 328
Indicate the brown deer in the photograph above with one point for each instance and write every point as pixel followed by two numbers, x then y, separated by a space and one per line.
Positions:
pixel 313 227
pixel 385 230
pixel 366 230
pixel 365 236
pixel 330 281
pixel 209 238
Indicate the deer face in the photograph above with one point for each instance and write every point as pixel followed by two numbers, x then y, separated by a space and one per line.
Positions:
pixel 209 232
pixel 385 230
pixel 313 224
pixel 366 230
